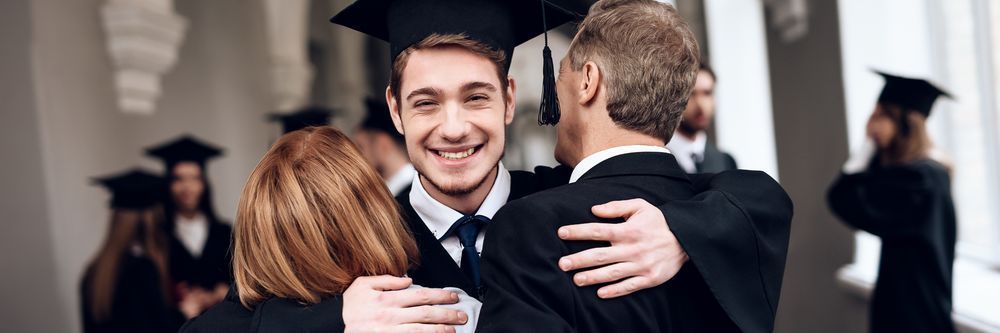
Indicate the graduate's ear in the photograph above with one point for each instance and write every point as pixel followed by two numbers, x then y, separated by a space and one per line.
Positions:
pixel 591 79
pixel 394 109
pixel 511 100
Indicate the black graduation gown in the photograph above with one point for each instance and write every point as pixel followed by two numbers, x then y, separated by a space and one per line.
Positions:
pixel 716 160
pixel 526 290
pixel 214 266
pixel 910 208
pixel 138 305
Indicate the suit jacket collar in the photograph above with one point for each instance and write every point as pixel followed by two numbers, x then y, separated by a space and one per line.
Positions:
pixel 634 164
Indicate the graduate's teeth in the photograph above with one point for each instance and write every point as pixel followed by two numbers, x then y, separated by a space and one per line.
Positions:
pixel 457 155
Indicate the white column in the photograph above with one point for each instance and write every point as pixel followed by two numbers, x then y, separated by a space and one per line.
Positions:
pixel 288 40
pixel 143 38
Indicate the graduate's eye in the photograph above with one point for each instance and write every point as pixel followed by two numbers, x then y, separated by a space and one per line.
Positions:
pixel 424 104
pixel 478 98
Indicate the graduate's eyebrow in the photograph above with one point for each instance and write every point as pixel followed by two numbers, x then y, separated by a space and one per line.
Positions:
pixel 430 91
pixel 479 85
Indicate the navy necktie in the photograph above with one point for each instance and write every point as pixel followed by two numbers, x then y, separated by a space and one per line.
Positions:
pixel 697 162
pixel 467 229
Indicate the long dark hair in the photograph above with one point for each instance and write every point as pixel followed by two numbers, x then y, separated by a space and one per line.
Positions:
pixel 127 227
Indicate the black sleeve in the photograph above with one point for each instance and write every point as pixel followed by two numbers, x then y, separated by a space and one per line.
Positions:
pixel 735 232
pixel 144 307
pixel 884 203
pixel 283 315
pixel 525 289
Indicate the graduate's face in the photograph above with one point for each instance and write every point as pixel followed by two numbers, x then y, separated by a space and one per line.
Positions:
pixel 881 127
pixel 701 105
pixel 453 115
pixel 186 186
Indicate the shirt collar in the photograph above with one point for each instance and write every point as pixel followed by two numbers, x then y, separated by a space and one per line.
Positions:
pixel 594 159
pixel 439 217
pixel 681 145
pixel 402 178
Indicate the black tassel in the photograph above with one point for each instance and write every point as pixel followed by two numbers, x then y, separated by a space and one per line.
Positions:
pixel 548 112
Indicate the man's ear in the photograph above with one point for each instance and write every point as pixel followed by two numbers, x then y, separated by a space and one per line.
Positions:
pixel 394 109
pixel 590 82
pixel 508 116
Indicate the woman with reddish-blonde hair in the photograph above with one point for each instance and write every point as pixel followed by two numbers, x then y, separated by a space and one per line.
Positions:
pixel 312 217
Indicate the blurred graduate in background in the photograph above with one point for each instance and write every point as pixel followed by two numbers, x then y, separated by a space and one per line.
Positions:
pixel 126 287
pixel 898 188
pixel 199 242
pixel 383 147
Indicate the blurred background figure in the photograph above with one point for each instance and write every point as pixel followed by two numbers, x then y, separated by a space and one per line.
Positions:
pixel 126 287
pixel 690 146
pixel 199 242
pixel 308 116
pixel 899 189
pixel 382 145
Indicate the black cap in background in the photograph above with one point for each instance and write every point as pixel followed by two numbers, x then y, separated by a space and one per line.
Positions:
pixel 133 189
pixel 911 94
pixel 305 117
pixel 184 149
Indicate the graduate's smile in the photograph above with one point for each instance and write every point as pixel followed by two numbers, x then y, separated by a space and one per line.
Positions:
pixel 456 156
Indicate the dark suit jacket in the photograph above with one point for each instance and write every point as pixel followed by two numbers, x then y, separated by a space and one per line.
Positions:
pixel 214 266
pixel 526 290
pixel 716 160
pixel 910 208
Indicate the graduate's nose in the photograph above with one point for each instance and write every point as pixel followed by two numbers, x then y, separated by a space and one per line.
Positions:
pixel 454 126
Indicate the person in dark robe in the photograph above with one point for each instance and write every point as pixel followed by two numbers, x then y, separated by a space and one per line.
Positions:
pixel 897 189
pixel 690 145
pixel 199 241
pixel 613 129
pixel 384 147
pixel 302 118
pixel 126 286
pixel 460 181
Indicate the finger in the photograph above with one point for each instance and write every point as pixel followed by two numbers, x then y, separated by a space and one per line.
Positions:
pixel 628 286
pixel 423 328
pixel 427 314
pixel 419 296
pixel 384 282
pixel 621 208
pixel 607 274
pixel 588 231
pixel 598 256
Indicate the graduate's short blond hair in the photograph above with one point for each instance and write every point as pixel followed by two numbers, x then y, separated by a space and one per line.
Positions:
pixel 649 59
pixel 313 216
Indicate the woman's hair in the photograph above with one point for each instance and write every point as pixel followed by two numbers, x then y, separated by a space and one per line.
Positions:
pixel 128 227
pixel 911 141
pixel 312 217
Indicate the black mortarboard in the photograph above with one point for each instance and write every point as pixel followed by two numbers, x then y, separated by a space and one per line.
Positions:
pixel 501 24
pixel 184 149
pixel 133 189
pixel 911 94
pixel 378 118
pixel 309 116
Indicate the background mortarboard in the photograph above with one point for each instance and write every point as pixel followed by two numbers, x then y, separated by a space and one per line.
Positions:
pixel 306 117
pixel 379 119
pixel 133 189
pixel 911 94
pixel 184 149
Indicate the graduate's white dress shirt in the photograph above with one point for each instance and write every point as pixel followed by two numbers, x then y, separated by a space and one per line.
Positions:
pixel 439 217
pixel 401 179
pixel 685 150
pixel 193 233
pixel 594 159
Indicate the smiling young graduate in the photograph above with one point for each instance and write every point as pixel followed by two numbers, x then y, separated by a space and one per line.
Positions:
pixel 451 97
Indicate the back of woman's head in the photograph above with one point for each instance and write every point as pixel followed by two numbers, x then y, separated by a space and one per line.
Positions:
pixel 312 217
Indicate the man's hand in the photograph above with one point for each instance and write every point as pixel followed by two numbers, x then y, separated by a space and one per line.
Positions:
pixel 643 254
pixel 383 304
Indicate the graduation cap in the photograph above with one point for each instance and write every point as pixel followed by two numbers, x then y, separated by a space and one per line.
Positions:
pixel 184 149
pixel 133 189
pixel 378 118
pixel 306 117
pixel 911 94
pixel 501 24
